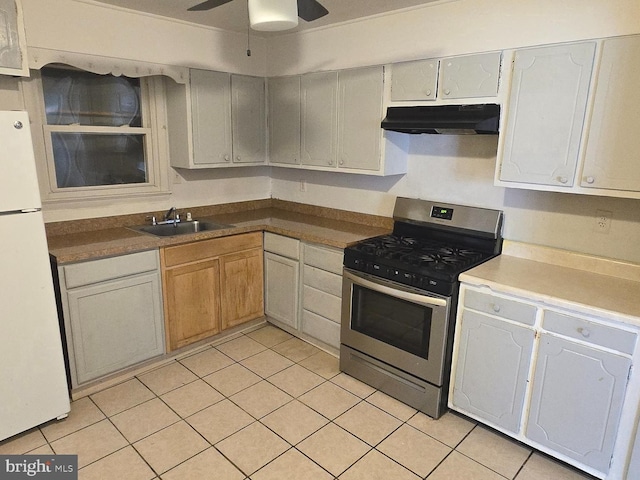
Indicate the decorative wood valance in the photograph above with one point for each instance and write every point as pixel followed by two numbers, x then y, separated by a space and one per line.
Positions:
pixel 40 57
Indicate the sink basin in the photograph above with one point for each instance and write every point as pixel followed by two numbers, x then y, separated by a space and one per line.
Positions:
pixel 182 228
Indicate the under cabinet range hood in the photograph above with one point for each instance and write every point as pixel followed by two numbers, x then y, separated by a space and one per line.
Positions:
pixel 481 119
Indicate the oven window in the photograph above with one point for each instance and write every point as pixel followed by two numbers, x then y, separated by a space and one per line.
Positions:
pixel 396 322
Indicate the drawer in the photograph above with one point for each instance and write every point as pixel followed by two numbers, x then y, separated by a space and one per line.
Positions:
pixel 324 304
pixel 95 271
pixel 501 307
pixel 594 333
pixel 285 246
pixel 320 328
pixel 324 258
pixel 322 280
pixel 215 247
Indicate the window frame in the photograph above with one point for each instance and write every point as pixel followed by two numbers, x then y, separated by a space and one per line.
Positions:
pixel 155 144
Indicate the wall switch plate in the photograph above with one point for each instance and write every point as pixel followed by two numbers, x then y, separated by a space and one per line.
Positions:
pixel 603 221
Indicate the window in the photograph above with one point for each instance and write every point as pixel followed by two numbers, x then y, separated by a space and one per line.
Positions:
pixel 100 134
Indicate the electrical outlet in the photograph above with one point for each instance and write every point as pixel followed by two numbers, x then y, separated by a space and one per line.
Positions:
pixel 303 185
pixel 603 221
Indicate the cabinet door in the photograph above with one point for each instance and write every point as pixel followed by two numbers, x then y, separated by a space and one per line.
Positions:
pixel 490 379
pixel 576 400
pixel 282 277
pixel 469 76
pixel 115 324
pixel 414 80
pixel 284 120
pixel 359 116
pixel 611 159
pixel 211 117
pixel 12 59
pixel 248 112
pixel 319 119
pixel 192 301
pixel 546 113
pixel 242 283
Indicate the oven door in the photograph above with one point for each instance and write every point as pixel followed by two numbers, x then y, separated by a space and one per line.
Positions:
pixel 398 325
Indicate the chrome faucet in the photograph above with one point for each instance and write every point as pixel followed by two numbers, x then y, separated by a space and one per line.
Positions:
pixel 167 217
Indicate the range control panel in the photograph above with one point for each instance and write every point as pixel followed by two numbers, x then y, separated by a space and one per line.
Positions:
pixel 443 213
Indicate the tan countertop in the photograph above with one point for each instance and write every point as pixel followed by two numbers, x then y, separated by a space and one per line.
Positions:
pixel 84 240
pixel 576 284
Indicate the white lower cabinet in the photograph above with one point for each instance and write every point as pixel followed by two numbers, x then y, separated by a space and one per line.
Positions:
pixel 113 314
pixel 554 379
pixel 303 289
pixel 322 293
pixel 281 278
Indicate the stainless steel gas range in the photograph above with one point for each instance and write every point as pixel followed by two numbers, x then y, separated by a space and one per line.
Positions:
pixel 399 295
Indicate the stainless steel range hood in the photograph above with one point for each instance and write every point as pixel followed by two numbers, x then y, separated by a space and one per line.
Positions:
pixel 481 119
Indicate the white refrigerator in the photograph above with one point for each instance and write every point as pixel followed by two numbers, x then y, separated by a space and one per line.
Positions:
pixel 33 385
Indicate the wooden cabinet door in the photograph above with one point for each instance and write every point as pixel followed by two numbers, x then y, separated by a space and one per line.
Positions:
pixel 248 114
pixel 576 400
pixel 359 117
pixel 211 117
pixel 192 302
pixel 319 119
pixel 611 158
pixel 469 76
pixel 490 379
pixel 282 276
pixel 284 120
pixel 546 114
pixel 242 293
pixel 414 80
pixel 115 324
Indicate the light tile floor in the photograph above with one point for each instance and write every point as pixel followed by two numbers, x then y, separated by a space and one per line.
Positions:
pixel 266 405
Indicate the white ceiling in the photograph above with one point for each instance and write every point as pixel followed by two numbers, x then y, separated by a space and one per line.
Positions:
pixel 233 15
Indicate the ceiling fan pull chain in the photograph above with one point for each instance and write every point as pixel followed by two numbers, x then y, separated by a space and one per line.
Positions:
pixel 248 34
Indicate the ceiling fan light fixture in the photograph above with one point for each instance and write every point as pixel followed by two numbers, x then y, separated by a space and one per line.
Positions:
pixel 273 15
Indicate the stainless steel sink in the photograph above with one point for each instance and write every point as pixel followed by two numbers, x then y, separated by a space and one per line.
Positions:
pixel 182 228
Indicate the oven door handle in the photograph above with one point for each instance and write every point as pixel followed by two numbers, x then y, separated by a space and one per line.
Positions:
pixel 421 299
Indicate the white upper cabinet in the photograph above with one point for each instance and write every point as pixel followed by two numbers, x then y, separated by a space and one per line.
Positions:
pixel 545 114
pixel 470 76
pixel 13 58
pixel 319 118
pixel 611 158
pixel 284 120
pixel 249 119
pixel 359 114
pixel 211 115
pixel 414 80
pixel 217 120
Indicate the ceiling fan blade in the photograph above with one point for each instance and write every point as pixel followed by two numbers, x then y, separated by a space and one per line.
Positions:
pixel 310 10
pixel 208 5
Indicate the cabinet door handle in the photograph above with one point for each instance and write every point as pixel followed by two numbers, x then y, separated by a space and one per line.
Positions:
pixel 591 179
pixel 563 179
pixel 428 93
pixel 237 158
pixel 447 92
pixel 584 332
pixel 227 158
pixel 496 307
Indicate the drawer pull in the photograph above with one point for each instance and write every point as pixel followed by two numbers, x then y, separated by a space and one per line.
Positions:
pixel 584 332
pixel 496 307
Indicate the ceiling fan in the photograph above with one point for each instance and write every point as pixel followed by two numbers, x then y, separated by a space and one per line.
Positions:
pixel 264 10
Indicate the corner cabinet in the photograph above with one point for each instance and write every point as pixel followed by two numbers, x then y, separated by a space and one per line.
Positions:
pixel 551 378
pixel 216 120
pixel 13 50
pixel 282 279
pixel 210 286
pixel 340 115
pixel 112 311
